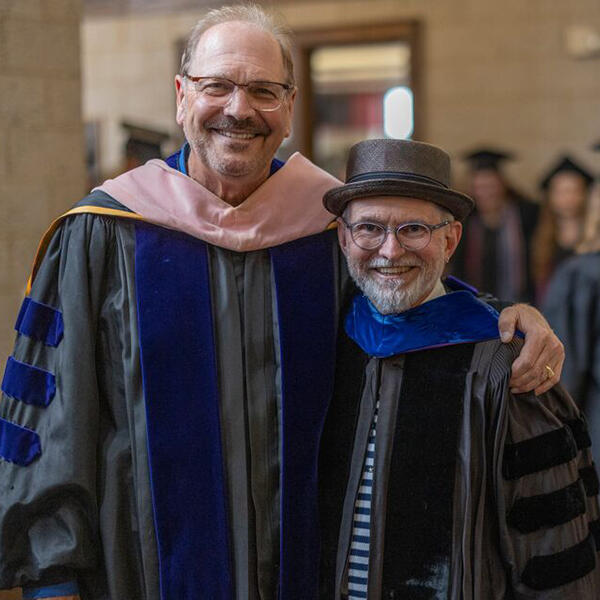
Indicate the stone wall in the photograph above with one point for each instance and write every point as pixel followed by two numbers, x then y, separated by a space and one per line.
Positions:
pixel 41 157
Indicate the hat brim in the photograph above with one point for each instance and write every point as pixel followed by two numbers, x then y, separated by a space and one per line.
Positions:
pixel 459 204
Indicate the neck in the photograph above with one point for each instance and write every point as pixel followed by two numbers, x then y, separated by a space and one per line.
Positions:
pixel 438 290
pixel 230 189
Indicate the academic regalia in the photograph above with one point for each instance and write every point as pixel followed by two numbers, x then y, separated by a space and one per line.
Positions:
pixel 571 307
pixel 497 260
pixel 162 407
pixel 477 494
pixel 565 164
pixel 548 253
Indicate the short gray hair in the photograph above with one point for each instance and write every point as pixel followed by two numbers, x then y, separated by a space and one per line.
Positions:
pixel 246 13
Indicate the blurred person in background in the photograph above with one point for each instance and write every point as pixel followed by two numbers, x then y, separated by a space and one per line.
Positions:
pixel 572 306
pixel 560 226
pixel 495 251
pixel 142 145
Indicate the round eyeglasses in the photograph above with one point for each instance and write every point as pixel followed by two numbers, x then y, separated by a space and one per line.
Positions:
pixel 265 96
pixel 411 236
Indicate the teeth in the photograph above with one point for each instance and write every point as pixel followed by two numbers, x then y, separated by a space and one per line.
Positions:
pixel 393 270
pixel 237 136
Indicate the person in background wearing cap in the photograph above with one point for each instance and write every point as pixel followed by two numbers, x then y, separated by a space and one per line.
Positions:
pixel 494 255
pixel 162 409
pixel 436 480
pixel 571 305
pixel 560 226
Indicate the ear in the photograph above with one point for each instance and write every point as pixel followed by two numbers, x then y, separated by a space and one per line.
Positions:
pixel 289 105
pixel 453 235
pixel 342 234
pixel 180 97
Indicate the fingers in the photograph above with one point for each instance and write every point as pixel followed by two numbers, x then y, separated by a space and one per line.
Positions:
pixel 507 323
pixel 553 379
pixel 529 370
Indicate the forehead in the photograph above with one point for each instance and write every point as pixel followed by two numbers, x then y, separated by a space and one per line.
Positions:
pixel 393 209
pixel 567 179
pixel 239 51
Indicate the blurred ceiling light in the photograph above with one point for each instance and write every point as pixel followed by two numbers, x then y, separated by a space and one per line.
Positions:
pixel 398 120
pixel 582 41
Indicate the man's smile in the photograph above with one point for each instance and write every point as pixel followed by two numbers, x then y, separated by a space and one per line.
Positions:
pixel 401 270
pixel 236 135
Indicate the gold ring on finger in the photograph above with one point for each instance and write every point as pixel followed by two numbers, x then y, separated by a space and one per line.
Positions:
pixel 549 371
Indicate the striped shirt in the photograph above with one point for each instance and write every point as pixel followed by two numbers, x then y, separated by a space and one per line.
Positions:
pixel 358 561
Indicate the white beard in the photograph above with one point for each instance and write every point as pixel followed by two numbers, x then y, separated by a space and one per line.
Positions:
pixel 394 296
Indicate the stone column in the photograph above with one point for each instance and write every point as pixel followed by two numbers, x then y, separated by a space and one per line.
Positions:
pixel 42 168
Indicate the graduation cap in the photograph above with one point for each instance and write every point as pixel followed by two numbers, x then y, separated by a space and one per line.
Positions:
pixel 487 158
pixel 565 165
pixel 143 143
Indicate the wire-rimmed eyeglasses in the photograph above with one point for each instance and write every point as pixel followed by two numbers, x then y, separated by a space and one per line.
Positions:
pixel 411 236
pixel 265 96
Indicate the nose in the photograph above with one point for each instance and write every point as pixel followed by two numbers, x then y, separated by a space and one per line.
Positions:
pixel 391 248
pixel 238 105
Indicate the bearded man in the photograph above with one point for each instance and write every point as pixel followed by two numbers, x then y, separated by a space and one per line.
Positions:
pixel 164 401
pixel 436 480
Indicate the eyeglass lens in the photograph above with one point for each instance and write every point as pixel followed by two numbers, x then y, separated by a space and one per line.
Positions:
pixel 411 236
pixel 261 95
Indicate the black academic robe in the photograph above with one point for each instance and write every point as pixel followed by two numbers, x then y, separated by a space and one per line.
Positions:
pixel 478 494
pixel 572 307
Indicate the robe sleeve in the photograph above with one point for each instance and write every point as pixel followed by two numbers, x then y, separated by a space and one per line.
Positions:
pixel 49 415
pixel 546 495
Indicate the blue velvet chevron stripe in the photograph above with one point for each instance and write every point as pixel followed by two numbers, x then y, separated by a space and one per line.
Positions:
pixel 305 293
pixel 28 384
pixel 40 322
pixel 180 389
pixel 51 591
pixel 18 444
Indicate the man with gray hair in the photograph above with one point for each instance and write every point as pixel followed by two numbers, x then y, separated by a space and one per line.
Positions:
pixel 163 405
pixel 437 481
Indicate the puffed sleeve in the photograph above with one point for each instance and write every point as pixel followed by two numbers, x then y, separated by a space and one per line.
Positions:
pixel 49 416
pixel 547 498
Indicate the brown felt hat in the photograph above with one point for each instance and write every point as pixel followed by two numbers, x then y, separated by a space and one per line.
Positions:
pixel 398 168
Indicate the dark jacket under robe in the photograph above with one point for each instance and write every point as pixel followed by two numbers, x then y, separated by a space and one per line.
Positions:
pixel 477 494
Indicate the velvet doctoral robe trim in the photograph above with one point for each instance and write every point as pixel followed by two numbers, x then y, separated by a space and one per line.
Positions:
pixel 580 433
pixel 180 389
pixel 554 570
pixel 304 285
pixel 419 519
pixel 547 510
pixel 590 480
pixel 40 322
pixel 182 403
pixel 455 318
pixel 28 384
pixel 538 453
pixel 18 444
pixel 61 590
